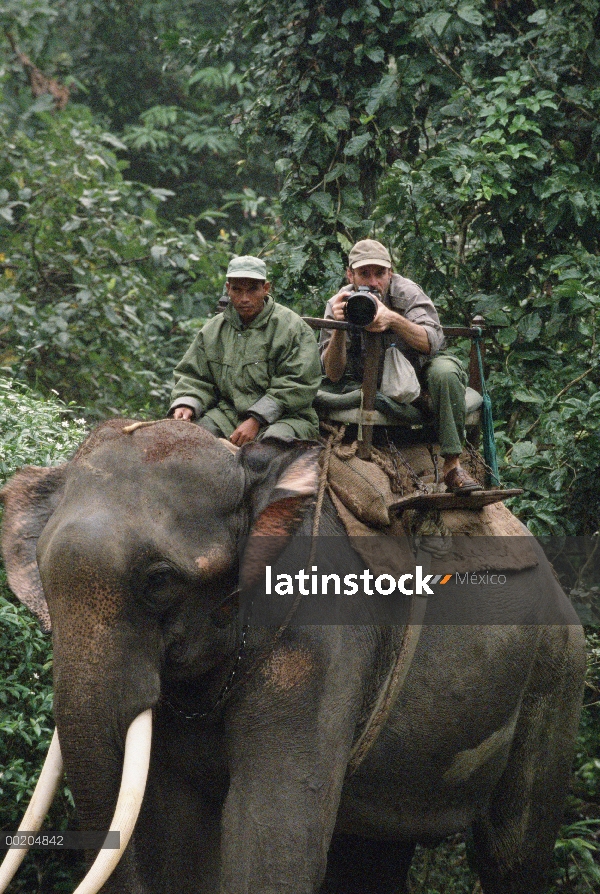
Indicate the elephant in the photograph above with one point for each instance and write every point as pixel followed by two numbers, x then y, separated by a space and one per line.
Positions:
pixel 235 740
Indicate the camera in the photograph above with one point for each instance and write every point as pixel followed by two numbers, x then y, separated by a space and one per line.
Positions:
pixel 361 307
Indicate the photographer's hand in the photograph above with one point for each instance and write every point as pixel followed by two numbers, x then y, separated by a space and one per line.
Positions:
pixel 384 318
pixel 338 303
pixel 412 333
pixel 334 357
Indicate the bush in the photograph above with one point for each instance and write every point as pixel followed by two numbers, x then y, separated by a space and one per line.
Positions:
pixel 33 431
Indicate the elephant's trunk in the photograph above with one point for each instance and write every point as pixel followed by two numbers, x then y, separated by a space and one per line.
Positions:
pixel 107 657
pixel 39 805
pixel 107 770
pixel 136 762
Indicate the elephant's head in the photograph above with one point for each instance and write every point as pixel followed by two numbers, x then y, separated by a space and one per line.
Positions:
pixel 128 553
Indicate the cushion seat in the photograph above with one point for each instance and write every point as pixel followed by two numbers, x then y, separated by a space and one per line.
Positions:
pixel 345 408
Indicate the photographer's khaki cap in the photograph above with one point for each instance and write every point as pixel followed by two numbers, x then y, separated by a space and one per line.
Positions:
pixel 246 267
pixel 369 251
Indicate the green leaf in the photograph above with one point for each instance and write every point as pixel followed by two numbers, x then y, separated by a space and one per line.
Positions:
pixel 527 397
pixel 338 170
pixel 339 117
pixel 438 22
pixel 469 14
pixel 385 90
pixel 282 165
pixel 356 144
pixel 530 326
pixel 158 252
pixel 350 14
pixel 375 54
pixel 539 17
pixel 324 202
pixel 112 140
pixel 507 336
pixel 522 451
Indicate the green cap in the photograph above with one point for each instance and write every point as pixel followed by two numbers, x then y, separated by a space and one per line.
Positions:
pixel 369 251
pixel 246 267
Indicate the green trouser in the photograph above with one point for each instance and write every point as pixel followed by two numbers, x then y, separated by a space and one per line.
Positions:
pixel 446 380
pixel 277 430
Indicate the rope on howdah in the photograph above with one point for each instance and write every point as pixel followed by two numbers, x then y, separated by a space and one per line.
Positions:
pixel 487 421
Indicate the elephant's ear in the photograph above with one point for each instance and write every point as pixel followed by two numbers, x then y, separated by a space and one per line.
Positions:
pixel 29 499
pixel 283 481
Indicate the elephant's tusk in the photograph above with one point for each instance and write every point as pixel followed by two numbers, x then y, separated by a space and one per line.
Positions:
pixel 39 805
pixel 131 794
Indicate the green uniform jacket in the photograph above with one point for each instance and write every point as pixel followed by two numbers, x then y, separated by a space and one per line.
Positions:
pixel 269 369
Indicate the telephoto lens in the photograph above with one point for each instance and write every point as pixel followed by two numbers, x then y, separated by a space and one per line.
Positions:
pixel 361 307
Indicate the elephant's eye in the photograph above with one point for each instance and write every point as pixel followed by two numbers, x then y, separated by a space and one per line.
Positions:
pixel 161 587
pixel 159 578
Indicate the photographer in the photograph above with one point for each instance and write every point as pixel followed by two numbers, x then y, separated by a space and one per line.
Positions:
pixel 408 319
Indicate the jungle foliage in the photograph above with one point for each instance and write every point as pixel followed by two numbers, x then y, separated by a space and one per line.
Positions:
pixel 97 284
pixel 133 65
pixel 142 144
pixel 33 431
pixel 93 285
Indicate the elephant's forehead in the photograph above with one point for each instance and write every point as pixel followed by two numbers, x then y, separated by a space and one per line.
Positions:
pixel 156 443
pixel 161 463
pixel 183 504
pixel 172 501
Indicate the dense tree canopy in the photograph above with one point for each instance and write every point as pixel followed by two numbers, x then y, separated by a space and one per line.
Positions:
pixel 92 284
pixel 141 70
pixel 141 144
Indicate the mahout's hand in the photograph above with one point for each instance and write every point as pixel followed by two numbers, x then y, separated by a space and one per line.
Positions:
pixel 245 432
pixel 184 413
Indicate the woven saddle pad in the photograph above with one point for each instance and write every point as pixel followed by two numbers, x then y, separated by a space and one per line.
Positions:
pixel 362 493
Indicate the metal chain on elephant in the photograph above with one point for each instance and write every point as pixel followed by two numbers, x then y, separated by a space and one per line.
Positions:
pixel 226 688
